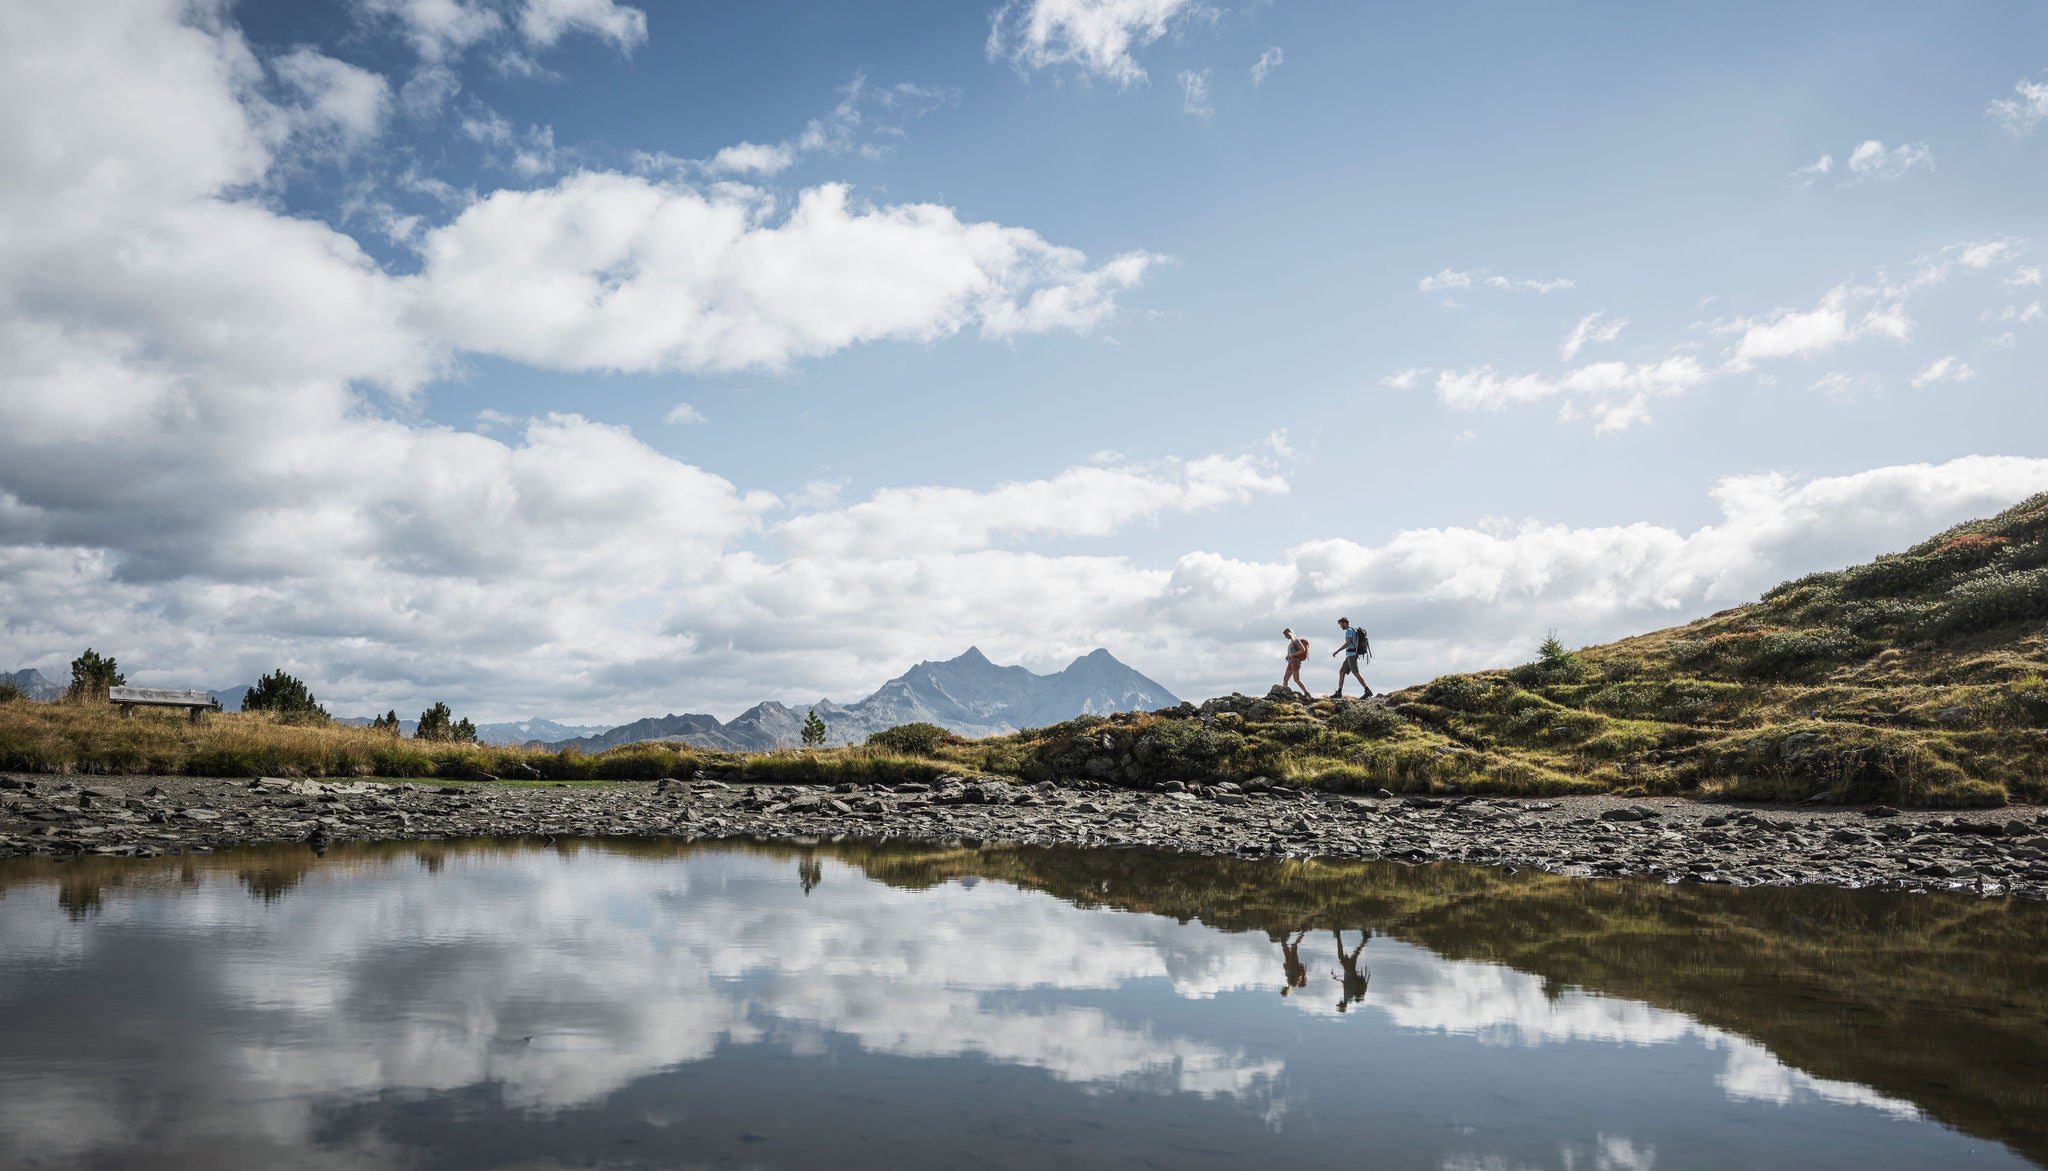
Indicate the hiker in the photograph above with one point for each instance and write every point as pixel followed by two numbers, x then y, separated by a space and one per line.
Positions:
pixel 1353 980
pixel 1297 654
pixel 1290 960
pixel 1356 646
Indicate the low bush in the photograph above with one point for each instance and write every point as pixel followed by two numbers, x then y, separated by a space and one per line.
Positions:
pixel 1995 598
pixel 1463 693
pixel 918 739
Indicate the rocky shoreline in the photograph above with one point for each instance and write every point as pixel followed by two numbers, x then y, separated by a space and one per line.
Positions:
pixel 1991 852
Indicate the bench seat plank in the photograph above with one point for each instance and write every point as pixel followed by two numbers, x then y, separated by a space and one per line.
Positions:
pixel 166 696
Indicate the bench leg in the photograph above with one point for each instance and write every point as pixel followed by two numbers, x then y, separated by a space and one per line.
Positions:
pixel 198 713
pixel 127 709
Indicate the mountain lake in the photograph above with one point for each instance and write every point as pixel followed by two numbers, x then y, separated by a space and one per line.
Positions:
pixel 506 1004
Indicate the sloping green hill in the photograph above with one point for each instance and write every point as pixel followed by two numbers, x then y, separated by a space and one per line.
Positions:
pixel 1917 678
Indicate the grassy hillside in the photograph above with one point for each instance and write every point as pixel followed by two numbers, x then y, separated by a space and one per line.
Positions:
pixel 1914 679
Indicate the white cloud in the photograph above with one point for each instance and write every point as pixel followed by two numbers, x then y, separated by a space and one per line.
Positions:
pixel 866 122
pixel 1268 61
pixel 1451 278
pixel 1093 36
pixel 1447 279
pixel 1789 333
pixel 1194 93
pixel 440 29
pixel 1091 501
pixel 543 22
pixel 1988 253
pixel 1873 160
pixel 607 271
pixel 2022 112
pixel 1591 329
pixel 1812 172
pixel 1531 286
pixel 340 98
pixel 683 415
pixel 751 158
pixel 1404 379
pixel 2023 277
pixel 1615 395
pixel 1948 369
pixel 2016 314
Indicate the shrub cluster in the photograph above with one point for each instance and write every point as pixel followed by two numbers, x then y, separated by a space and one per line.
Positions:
pixel 1997 597
pixel 918 739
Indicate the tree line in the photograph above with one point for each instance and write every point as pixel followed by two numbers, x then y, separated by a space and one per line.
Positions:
pixel 279 693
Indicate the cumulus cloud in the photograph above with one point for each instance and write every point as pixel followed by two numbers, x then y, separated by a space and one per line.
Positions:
pixel 1789 333
pixel 1404 379
pixel 683 415
pixel 1079 502
pixel 608 271
pixel 1094 37
pixel 1948 369
pixel 2026 109
pixel 1593 329
pixel 1268 61
pixel 1615 395
pixel 340 98
pixel 1873 160
pixel 751 158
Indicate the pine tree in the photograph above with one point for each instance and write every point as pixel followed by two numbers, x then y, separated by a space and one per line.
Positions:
pixel 280 693
pixel 387 723
pixel 92 675
pixel 439 723
pixel 814 729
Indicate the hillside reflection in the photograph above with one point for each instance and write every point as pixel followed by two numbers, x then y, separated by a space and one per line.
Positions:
pixel 577 980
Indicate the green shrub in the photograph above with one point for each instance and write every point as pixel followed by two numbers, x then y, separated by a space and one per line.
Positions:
pixel 1998 597
pixel 1459 692
pixel 918 739
pixel 1370 721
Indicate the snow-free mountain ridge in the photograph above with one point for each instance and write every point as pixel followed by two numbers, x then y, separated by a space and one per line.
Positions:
pixel 968 695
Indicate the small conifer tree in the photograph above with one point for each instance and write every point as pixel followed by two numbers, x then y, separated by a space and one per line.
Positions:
pixel 439 723
pixel 281 693
pixel 814 729
pixel 386 723
pixel 91 676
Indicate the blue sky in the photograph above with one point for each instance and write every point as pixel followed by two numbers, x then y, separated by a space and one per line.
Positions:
pixel 573 358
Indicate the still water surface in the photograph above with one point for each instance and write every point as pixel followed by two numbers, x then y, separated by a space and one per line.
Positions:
pixel 496 1005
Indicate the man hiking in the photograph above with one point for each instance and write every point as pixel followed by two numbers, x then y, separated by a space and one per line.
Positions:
pixel 1297 654
pixel 1356 646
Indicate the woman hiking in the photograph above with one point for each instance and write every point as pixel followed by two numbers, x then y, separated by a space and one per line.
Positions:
pixel 1297 654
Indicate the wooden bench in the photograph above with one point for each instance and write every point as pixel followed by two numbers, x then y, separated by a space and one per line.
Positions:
pixel 130 698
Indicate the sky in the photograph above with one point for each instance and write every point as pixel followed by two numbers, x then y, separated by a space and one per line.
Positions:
pixel 577 359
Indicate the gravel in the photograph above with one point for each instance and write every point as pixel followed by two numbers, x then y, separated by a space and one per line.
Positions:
pixel 1993 852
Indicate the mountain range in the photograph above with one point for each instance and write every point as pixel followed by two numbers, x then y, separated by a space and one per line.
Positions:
pixel 33 684
pixel 968 695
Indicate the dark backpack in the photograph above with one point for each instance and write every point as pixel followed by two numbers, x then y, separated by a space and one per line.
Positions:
pixel 1360 643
